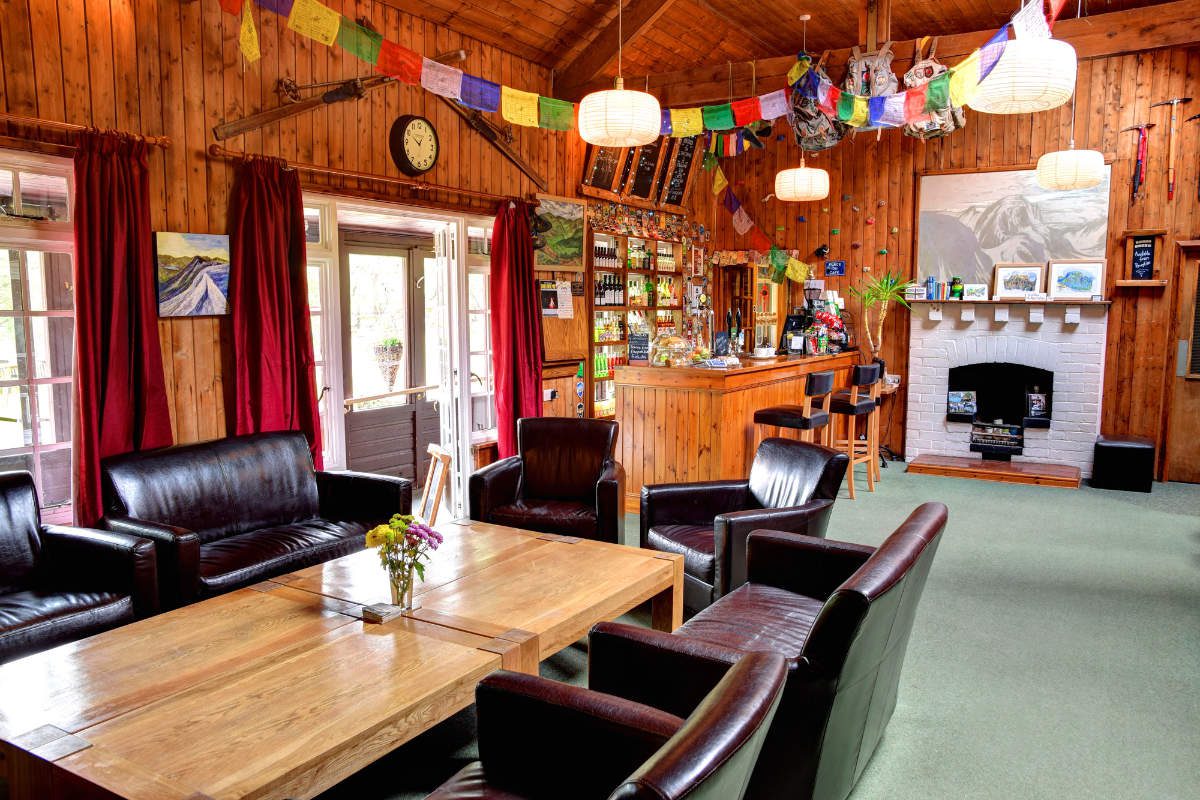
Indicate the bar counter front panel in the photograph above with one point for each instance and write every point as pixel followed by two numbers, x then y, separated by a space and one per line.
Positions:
pixel 687 424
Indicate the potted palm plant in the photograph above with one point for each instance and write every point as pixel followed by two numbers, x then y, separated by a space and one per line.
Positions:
pixel 877 295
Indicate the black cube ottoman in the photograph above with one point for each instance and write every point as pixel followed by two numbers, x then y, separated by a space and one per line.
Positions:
pixel 1123 462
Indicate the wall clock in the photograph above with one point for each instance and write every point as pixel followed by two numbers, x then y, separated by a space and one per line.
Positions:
pixel 414 144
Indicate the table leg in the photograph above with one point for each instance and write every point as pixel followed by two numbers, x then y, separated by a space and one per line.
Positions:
pixel 666 607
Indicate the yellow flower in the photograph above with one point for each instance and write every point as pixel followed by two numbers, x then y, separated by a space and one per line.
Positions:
pixel 377 535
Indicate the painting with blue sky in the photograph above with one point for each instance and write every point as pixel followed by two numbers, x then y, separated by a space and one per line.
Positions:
pixel 193 274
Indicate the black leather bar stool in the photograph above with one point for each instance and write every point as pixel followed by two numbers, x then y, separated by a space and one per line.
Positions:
pixel 860 401
pixel 806 418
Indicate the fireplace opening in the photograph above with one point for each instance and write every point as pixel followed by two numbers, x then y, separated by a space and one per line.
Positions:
pixel 1001 401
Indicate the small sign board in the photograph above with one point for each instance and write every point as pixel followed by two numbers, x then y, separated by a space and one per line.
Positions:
pixel 1142 260
pixel 834 268
pixel 639 348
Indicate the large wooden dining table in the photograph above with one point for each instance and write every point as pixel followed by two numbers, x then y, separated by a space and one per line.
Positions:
pixel 282 690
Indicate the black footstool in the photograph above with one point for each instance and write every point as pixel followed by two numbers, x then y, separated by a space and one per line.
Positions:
pixel 1125 463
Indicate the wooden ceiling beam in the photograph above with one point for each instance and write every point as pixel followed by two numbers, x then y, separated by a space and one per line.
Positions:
pixel 875 23
pixel 1167 25
pixel 640 16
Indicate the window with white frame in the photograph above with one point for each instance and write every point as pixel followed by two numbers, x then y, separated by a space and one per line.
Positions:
pixel 479 332
pixel 37 324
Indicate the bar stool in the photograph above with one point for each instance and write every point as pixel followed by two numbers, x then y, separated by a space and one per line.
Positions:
pixel 818 386
pixel 860 400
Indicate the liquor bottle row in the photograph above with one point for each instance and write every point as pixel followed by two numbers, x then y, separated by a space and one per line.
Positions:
pixel 641 290
pixel 608 290
pixel 605 255
pixel 609 327
pixel 603 363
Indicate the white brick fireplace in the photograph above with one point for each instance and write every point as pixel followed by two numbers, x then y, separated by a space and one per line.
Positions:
pixel 1072 351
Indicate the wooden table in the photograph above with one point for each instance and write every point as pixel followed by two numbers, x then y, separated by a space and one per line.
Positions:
pixel 280 690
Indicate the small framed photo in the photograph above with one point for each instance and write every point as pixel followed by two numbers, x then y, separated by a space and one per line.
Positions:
pixel 1036 404
pixel 1018 281
pixel 961 402
pixel 1076 279
pixel 975 291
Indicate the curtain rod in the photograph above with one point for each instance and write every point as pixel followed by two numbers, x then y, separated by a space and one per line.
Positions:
pixel 217 151
pixel 157 141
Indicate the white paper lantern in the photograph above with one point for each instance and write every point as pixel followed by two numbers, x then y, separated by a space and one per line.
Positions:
pixel 802 183
pixel 619 118
pixel 1070 169
pixel 1032 75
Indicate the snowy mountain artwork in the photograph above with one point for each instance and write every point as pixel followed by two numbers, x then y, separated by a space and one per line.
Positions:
pixel 969 222
pixel 193 274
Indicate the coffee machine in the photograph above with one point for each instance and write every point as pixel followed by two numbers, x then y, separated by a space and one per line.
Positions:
pixel 792 341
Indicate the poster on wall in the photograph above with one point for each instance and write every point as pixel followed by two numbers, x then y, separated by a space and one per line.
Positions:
pixel 548 292
pixel 969 222
pixel 563 220
pixel 192 274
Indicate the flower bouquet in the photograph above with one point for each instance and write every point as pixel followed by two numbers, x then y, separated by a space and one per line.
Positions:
pixel 405 544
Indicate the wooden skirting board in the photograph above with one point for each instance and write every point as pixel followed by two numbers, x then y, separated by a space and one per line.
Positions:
pixel 1059 475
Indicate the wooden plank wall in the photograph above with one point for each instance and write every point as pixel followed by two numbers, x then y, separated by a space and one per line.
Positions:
pixel 174 68
pixel 1114 92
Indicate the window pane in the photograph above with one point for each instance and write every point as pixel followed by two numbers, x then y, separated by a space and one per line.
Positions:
pixel 50 287
pixel 10 281
pixel 15 428
pixel 53 342
pixel 6 191
pixel 312 225
pixel 23 461
pixel 318 344
pixel 54 413
pixel 481 374
pixel 377 324
pixel 483 412
pixel 12 349
pixel 314 288
pixel 44 195
pixel 55 489
pixel 477 291
pixel 479 332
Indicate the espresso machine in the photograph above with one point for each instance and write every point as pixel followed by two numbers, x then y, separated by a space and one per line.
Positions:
pixel 792 342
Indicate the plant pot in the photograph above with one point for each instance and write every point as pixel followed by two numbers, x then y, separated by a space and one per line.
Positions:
pixel 388 358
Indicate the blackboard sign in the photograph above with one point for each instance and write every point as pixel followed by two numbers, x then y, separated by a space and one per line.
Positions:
pixel 604 166
pixel 1142 263
pixel 677 185
pixel 639 348
pixel 653 176
pixel 721 343
pixel 647 166
pixel 835 268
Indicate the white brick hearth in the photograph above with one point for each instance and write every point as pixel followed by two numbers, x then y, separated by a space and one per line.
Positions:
pixel 1073 352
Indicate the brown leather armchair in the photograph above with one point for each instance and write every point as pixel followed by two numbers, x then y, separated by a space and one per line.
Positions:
pixel 61 584
pixel 841 614
pixel 542 739
pixel 792 487
pixel 564 479
pixel 231 512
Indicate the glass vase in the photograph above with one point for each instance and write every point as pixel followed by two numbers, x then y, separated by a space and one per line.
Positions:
pixel 401 579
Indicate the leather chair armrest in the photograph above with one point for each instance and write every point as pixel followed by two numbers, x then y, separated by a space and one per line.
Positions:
pixel 691 503
pixel 177 552
pixel 493 486
pixel 732 530
pixel 802 564
pixel 363 497
pixel 81 559
pixel 655 668
pixel 610 502
pixel 594 740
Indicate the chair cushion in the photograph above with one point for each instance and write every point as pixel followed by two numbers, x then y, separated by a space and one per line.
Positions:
pixel 562 458
pixel 568 517
pixel 696 543
pixel 19 535
pixel 755 618
pixel 791 417
pixel 240 560
pixel 470 784
pixel 38 620
pixel 839 403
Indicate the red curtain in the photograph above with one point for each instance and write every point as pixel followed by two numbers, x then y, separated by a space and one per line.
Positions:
pixel 272 338
pixel 516 324
pixel 120 393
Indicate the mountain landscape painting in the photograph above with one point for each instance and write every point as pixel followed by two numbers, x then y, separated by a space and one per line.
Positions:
pixel 970 222
pixel 193 274
pixel 564 239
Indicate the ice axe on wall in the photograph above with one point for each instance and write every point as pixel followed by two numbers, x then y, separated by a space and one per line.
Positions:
pixel 1143 145
pixel 1189 119
pixel 1172 144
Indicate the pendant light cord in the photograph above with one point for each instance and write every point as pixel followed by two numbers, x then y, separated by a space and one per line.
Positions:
pixel 620 34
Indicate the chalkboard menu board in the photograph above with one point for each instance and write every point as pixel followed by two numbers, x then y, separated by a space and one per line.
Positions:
pixel 1142 259
pixel 653 176
pixel 639 348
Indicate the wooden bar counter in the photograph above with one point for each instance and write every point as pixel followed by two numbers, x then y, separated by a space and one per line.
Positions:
pixel 686 424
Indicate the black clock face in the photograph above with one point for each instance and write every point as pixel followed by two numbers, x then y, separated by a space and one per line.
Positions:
pixel 414 145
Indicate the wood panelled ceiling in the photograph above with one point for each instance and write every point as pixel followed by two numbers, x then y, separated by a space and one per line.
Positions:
pixel 694 33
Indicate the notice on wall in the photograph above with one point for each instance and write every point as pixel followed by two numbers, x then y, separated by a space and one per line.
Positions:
pixel 1142 268
pixel 639 348
pixel 566 308
pixel 549 297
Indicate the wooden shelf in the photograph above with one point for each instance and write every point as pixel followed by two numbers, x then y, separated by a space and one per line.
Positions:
pixel 615 343
pixel 1014 302
pixel 1141 284
pixel 1026 472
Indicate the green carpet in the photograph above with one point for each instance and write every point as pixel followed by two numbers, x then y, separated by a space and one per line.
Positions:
pixel 1056 652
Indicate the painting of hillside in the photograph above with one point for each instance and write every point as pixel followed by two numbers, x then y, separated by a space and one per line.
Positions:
pixel 971 222
pixel 193 274
pixel 564 239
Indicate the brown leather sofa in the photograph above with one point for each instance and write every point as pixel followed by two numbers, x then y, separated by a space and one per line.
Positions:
pixel 232 512
pixel 792 487
pixel 61 584
pixel 841 614
pixel 542 739
pixel 564 479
